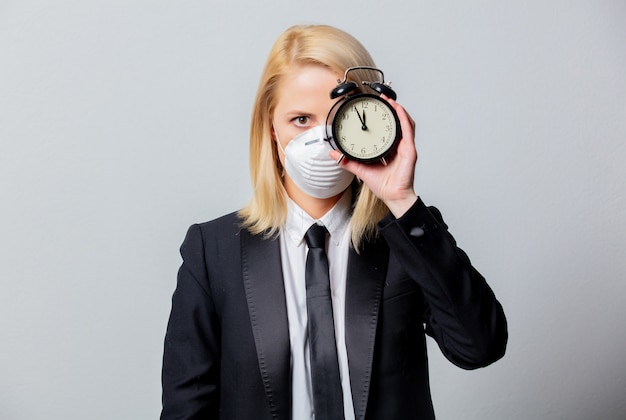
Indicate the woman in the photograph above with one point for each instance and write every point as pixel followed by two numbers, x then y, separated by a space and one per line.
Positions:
pixel 239 343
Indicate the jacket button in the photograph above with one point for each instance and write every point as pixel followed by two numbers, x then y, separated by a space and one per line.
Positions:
pixel 417 232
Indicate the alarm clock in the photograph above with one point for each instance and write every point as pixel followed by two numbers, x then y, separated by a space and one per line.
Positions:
pixel 363 126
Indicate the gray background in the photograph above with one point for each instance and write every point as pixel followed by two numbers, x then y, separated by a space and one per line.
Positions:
pixel 123 122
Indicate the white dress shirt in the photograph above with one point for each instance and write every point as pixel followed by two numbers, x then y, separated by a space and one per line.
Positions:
pixel 293 250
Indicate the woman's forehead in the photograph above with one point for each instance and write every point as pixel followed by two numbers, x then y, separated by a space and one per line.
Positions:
pixel 305 87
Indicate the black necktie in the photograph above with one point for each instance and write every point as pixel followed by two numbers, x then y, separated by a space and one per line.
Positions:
pixel 327 394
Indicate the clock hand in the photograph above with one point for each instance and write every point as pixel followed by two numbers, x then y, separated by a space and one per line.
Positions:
pixel 363 126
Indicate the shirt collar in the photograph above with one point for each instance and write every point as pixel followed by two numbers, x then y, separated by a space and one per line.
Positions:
pixel 336 220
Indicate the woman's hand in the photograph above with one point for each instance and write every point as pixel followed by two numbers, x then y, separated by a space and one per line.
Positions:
pixel 392 183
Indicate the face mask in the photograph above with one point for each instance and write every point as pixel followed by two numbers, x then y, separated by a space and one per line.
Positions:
pixel 311 168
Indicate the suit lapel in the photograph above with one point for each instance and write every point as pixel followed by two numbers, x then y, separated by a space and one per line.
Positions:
pixel 365 281
pixel 265 294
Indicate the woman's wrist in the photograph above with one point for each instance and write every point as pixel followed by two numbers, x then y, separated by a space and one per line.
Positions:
pixel 399 206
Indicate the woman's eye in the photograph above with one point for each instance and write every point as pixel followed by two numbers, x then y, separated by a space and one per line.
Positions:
pixel 302 121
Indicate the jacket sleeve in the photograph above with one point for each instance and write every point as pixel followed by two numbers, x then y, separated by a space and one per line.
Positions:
pixel 461 311
pixel 190 374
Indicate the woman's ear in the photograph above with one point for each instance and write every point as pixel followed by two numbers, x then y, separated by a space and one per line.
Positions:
pixel 276 138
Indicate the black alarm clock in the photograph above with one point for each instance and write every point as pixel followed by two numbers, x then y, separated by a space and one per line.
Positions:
pixel 363 126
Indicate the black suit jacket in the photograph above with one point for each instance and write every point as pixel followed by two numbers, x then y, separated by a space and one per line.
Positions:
pixel 227 349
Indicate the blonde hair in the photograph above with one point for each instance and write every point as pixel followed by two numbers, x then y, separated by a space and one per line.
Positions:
pixel 321 45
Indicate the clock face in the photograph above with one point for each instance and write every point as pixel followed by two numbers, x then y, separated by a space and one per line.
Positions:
pixel 365 127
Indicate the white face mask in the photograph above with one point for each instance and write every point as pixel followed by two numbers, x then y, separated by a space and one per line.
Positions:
pixel 311 168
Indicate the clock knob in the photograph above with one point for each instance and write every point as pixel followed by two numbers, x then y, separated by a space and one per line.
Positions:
pixel 384 89
pixel 343 89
